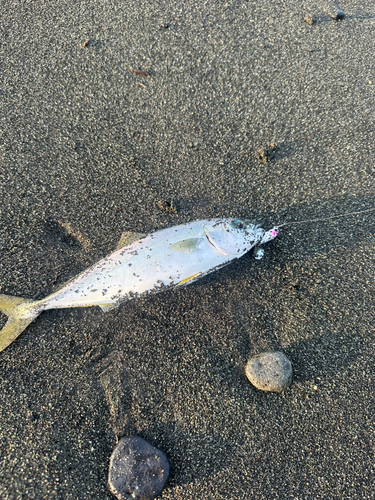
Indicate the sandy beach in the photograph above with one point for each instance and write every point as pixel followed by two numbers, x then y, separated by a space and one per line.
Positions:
pixel 136 116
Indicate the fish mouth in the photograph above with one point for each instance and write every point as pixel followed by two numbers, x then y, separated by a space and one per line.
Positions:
pixel 213 244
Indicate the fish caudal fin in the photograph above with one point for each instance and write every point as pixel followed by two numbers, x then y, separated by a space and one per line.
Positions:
pixel 20 312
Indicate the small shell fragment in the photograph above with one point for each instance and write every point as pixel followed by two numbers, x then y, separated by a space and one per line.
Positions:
pixel 259 253
pixel 310 19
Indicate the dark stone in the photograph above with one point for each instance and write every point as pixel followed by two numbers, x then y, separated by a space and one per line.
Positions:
pixel 137 470
pixel 270 371
pixel 338 15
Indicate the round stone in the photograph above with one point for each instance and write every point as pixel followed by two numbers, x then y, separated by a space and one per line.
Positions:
pixel 270 371
pixel 137 470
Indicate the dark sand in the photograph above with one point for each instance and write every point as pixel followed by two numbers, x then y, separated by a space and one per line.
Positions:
pixel 86 142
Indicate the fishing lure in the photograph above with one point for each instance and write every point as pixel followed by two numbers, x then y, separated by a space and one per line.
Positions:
pixel 141 265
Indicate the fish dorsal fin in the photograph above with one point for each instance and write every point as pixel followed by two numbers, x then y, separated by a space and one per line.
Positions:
pixel 187 246
pixel 127 238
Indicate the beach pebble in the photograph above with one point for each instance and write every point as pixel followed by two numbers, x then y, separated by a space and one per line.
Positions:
pixel 337 14
pixel 137 470
pixel 270 371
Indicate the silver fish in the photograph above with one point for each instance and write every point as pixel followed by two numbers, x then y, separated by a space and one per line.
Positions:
pixel 141 265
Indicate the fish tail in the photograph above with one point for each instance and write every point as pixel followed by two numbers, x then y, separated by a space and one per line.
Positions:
pixel 21 312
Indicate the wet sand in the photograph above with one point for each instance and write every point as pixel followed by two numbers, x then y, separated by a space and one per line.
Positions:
pixel 90 148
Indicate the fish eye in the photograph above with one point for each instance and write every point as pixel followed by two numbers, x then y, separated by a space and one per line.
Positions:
pixel 238 224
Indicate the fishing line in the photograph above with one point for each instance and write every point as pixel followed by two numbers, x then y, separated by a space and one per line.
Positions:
pixel 326 218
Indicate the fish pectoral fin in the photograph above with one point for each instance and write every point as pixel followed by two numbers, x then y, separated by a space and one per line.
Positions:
pixel 187 246
pixel 127 238
pixel 190 278
pixel 107 307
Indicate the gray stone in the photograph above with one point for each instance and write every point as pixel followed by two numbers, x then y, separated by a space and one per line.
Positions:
pixel 270 371
pixel 137 470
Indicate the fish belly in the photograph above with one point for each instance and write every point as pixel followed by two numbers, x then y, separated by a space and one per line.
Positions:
pixel 150 265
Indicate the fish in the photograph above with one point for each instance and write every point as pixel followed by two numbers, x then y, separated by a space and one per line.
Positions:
pixel 142 265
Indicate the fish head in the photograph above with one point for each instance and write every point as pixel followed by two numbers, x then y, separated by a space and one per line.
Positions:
pixel 269 235
pixel 232 237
